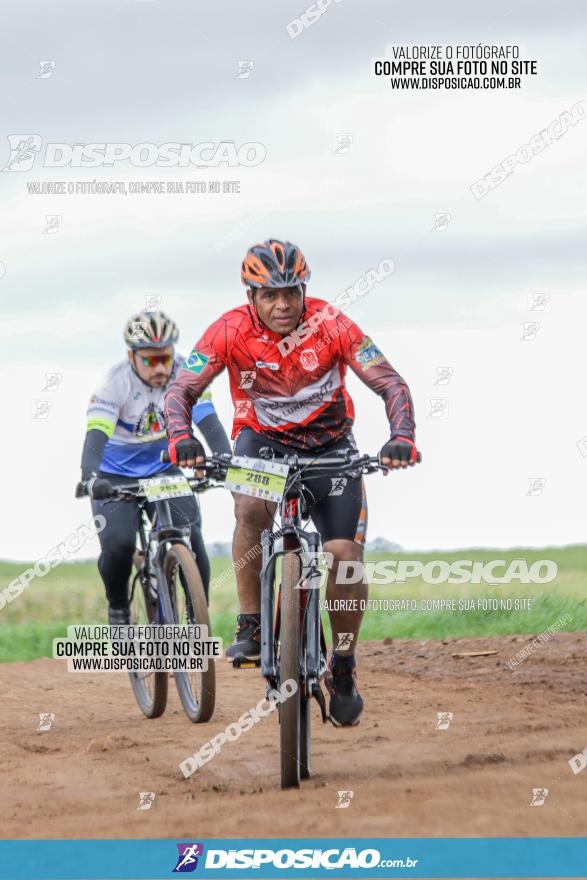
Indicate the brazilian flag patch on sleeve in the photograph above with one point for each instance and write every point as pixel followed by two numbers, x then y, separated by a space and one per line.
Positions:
pixel 195 361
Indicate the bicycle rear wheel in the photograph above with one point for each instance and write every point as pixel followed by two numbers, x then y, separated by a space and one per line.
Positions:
pixel 289 669
pixel 196 688
pixel 149 688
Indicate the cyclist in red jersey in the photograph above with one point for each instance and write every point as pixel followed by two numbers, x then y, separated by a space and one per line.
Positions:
pixel 286 356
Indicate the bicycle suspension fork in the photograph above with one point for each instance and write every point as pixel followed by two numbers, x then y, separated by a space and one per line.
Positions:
pixel 306 545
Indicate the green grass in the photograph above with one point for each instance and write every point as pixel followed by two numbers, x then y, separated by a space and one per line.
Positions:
pixel 73 593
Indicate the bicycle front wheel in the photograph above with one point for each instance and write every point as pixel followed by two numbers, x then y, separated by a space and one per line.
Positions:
pixel 149 688
pixel 196 688
pixel 289 670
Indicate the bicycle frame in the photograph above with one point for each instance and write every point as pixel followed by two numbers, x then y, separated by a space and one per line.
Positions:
pixel 291 537
pixel 163 532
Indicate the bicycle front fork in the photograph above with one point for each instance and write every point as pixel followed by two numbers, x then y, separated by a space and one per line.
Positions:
pixel 309 551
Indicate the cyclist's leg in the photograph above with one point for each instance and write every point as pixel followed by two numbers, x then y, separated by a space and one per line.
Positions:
pixel 340 514
pixel 341 520
pixel 252 516
pixel 117 542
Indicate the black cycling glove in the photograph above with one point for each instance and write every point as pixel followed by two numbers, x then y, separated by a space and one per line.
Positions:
pixel 400 449
pixel 185 449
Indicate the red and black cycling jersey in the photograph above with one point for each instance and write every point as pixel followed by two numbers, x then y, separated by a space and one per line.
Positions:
pixel 297 397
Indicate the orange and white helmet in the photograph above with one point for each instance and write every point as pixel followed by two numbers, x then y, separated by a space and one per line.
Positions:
pixel 274 263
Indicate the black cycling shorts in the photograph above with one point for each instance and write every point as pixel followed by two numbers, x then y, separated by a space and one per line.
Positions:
pixel 337 505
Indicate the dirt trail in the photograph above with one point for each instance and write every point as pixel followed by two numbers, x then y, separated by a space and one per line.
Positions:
pixel 510 733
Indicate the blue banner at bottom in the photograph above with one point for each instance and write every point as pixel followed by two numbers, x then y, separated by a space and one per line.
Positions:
pixel 368 858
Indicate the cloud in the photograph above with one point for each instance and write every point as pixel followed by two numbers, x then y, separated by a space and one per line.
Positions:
pixel 157 73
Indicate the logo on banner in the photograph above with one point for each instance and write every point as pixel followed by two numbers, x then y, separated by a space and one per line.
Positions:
pixel 187 860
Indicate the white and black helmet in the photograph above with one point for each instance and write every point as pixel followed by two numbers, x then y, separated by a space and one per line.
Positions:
pixel 150 330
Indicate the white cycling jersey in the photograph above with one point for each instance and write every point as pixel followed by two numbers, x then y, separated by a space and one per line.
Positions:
pixel 131 415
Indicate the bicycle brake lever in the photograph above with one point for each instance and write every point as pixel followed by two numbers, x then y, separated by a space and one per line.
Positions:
pixel 120 496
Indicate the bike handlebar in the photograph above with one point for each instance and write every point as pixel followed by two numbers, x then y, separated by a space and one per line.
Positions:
pixel 215 467
pixel 347 459
pixel 131 490
pixel 355 460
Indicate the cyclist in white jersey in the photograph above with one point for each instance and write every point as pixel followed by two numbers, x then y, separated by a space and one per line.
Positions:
pixel 125 437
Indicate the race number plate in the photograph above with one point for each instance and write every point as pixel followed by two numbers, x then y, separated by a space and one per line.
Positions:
pixel 257 477
pixel 163 488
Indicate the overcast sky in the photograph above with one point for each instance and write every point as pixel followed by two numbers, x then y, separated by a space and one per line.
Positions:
pixel 157 72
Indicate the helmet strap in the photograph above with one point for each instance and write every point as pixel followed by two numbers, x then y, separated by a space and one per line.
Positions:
pixel 254 304
pixel 303 312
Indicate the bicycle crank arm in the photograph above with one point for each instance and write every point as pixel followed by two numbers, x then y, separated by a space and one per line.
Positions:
pixel 319 697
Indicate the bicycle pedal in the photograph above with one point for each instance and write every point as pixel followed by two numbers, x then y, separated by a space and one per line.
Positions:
pixel 243 663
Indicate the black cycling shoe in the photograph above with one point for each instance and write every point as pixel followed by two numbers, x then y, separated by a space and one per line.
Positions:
pixel 247 639
pixel 346 703
pixel 119 616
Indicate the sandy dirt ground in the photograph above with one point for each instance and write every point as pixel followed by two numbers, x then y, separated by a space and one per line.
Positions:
pixel 511 732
